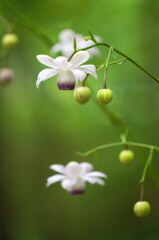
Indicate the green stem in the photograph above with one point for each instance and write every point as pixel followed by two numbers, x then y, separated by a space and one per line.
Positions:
pixel 147 165
pixel 99 148
pixel 122 54
pixel 106 66
pixel 118 61
pixel 111 145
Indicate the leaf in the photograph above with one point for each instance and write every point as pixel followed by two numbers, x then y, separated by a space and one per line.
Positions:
pixel 74 44
pixel 92 37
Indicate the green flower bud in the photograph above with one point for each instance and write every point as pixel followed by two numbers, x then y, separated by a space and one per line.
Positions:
pixel 142 208
pixel 104 95
pixel 10 40
pixel 126 157
pixel 86 38
pixel 82 94
pixel 6 75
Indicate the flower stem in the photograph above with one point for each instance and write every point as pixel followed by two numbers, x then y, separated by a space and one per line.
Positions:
pixel 117 144
pixel 106 66
pixel 147 165
pixel 118 61
pixel 123 55
pixel 142 192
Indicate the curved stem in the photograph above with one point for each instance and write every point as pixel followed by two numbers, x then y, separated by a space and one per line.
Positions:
pixel 99 148
pixel 122 54
pixel 111 145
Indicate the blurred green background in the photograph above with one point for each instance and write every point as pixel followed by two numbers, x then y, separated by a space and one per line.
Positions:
pixel 39 127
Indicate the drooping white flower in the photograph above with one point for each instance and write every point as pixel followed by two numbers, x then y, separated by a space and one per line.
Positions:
pixel 65 44
pixel 74 175
pixel 69 72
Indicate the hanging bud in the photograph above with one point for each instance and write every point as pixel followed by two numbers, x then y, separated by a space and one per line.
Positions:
pixel 126 157
pixel 66 80
pixel 104 95
pixel 142 208
pixel 82 94
pixel 10 40
pixel 6 76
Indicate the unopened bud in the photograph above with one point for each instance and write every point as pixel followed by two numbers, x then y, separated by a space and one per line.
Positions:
pixel 82 94
pixel 104 95
pixel 126 157
pixel 6 76
pixel 86 38
pixel 10 40
pixel 142 208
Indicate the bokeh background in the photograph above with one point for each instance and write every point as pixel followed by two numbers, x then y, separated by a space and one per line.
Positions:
pixel 39 127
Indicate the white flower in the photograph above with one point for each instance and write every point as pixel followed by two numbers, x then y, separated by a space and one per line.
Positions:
pixel 66 39
pixel 74 175
pixel 69 72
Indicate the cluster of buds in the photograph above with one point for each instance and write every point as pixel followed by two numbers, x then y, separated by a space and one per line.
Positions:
pixel 9 41
pixel 83 94
pixel 141 208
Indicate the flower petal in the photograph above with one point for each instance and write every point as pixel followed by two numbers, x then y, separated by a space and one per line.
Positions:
pixel 46 74
pixel 54 179
pixel 80 75
pixel 90 69
pixel 46 60
pixel 58 168
pixel 66 80
pixel 62 63
pixel 67 35
pixel 87 167
pixel 79 58
pixel 73 169
pixel 96 174
pixel 74 186
pixel 68 183
pixel 94 180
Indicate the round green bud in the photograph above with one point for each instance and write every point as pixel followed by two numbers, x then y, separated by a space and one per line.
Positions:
pixel 10 40
pixel 6 76
pixel 142 208
pixel 104 95
pixel 86 38
pixel 126 157
pixel 82 94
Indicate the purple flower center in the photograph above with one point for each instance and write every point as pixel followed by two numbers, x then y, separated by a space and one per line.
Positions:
pixel 77 192
pixel 66 86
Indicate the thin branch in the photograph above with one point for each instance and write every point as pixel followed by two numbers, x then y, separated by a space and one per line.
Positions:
pixel 122 54
pixel 111 145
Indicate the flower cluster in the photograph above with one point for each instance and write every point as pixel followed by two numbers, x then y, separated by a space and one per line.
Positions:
pixel 74 175
pixel 70 68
